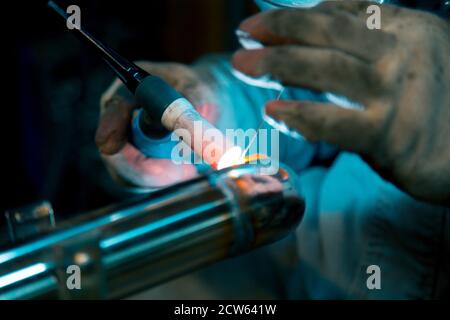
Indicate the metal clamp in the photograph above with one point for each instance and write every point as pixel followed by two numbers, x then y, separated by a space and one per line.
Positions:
pixel 29 221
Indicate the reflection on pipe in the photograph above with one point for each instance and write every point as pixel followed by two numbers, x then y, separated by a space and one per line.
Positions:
pixel 22 274
pixel 130 247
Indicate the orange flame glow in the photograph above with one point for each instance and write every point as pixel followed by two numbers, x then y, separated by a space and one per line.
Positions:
pixel 234 157
pixel 254 157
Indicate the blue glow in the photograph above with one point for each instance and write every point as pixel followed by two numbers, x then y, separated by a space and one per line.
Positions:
pixel 22 274
pixel 20 251
pixel 271 4
pixel 342 101
pixel 31 290
pixel 265 81
pixel 122 255
pixel 157 224
pixel 293 3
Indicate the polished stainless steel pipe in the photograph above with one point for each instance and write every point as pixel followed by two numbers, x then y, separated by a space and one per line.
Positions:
pixel 127 248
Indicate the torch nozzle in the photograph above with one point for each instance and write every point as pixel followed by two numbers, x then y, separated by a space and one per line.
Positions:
pixel 160 101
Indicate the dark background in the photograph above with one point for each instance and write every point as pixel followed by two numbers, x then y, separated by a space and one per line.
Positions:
pixel 53 85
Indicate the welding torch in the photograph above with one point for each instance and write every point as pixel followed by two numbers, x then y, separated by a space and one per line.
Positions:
pixel 164 109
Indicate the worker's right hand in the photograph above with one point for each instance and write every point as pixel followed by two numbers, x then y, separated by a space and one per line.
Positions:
pixel 401 75
pixel 124 161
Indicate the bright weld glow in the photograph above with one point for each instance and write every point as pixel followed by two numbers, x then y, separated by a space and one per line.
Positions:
pixel 22 274
pixel 231 158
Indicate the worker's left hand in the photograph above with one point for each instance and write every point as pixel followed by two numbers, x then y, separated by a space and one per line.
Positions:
pixel 125 162
pixel 401 74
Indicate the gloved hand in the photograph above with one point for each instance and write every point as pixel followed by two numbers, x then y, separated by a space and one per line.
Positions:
pixel 124 161
pixel 401 74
